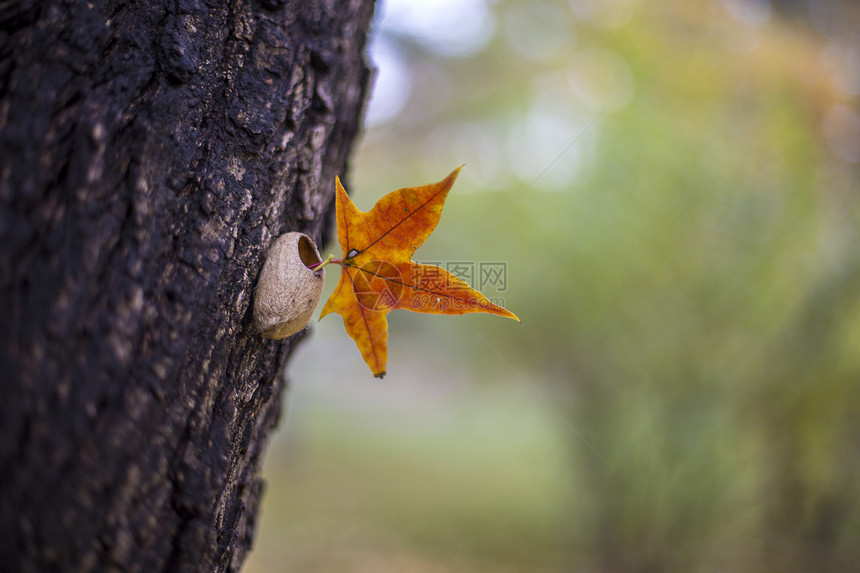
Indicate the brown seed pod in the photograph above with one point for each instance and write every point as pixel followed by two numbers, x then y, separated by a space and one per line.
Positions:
pixel 288 291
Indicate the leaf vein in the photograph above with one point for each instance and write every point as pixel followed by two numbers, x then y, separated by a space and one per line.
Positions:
pixel 401 221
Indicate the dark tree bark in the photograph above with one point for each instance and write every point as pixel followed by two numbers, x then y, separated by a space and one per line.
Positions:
pixel 149 154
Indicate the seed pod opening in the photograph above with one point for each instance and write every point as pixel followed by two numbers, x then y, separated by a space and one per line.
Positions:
pixel 288 291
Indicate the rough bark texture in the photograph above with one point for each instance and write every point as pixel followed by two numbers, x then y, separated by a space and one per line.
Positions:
pixel 150 152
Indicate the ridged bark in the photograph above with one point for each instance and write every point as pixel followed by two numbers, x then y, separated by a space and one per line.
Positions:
pixel 150 152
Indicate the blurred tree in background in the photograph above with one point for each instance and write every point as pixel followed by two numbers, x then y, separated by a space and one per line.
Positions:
pixel 673 189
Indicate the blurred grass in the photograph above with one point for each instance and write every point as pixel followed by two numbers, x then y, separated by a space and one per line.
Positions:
pixel 688 275
pixel 439 488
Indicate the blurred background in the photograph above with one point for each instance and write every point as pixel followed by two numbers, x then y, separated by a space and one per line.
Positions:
pixel 667 195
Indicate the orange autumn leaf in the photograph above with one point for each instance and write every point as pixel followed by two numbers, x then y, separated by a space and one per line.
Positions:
pixel 378 274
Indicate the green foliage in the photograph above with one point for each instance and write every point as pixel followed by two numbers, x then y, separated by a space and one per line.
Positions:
pixel 688 277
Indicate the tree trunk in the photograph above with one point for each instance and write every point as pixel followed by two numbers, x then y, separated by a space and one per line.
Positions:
pixel 150 152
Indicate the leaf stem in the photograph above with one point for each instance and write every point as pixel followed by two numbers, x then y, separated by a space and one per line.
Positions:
pixel 318 266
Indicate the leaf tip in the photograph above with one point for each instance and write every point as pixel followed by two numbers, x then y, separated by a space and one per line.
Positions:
pixel 327 309
pixel 502 311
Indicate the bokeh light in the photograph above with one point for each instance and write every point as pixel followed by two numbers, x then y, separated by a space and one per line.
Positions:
pixel 672 191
